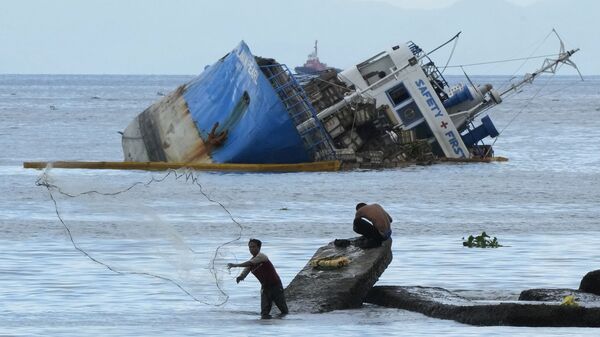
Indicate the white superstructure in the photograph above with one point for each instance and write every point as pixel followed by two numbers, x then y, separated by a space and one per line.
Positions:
pixel 395 79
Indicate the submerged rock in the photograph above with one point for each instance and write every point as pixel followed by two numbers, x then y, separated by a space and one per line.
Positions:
pixel 444 304
pixel 558 295
pixel 588 293
pixel 591 282
pixel 318 289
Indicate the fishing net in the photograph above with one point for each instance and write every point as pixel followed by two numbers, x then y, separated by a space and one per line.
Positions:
pixel 164 226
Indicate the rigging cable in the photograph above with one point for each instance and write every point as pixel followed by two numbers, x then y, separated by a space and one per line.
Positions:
pixel 520 111
pixel 440 46
pixel 501 61
pixel 189 176
pixel 451 54
pixel 525 61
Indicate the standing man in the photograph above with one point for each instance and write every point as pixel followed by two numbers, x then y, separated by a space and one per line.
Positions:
pixel 374 223
pixel 272 289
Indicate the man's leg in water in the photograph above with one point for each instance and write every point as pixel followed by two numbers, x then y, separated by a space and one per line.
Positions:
pixel 278 297
pixel 265 303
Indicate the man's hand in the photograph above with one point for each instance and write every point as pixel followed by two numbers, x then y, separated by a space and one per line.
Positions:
pixel 238 279
pixel 230 265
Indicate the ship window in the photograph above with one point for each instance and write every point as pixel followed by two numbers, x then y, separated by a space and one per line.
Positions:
pixel 398 94
pixel 376 68
pixel 410 115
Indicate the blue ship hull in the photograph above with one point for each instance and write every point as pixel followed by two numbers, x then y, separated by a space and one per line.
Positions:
pixel 231 113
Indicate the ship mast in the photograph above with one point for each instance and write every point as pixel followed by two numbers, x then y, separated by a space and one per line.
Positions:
pixel 549 66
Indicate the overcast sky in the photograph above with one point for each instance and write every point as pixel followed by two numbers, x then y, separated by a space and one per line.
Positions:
pixel 183 36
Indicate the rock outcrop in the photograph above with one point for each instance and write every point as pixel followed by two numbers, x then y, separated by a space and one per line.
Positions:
pixel 441 303
pixel 591 282
pixel 588 293
pixel 558 295
pixel 343 277
pixel 318 289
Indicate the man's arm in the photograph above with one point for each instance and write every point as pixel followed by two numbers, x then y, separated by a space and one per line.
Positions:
pixel 243 275
pixel 259 258
pixel 243 264
pixel 247 267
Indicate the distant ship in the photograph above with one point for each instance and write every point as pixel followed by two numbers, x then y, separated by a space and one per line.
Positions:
pixel 313 65
pixel 390 109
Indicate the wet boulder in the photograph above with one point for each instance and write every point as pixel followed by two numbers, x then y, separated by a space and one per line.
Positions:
pixel 322 287
pixel 591 282
pixel 588 292
pixel 558 295
pixel 444 304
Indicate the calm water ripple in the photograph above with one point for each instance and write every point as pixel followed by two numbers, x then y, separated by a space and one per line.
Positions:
pixel 542 205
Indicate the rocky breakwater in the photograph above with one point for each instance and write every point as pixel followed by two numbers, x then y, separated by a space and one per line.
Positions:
pixel 337 278
pixel 535 307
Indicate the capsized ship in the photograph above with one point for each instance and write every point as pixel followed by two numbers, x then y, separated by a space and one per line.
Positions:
pixel 394 107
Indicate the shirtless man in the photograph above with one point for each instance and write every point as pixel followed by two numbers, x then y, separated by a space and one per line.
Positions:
pixel 374 223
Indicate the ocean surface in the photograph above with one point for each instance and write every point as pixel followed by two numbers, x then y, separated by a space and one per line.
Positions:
pixel 157 242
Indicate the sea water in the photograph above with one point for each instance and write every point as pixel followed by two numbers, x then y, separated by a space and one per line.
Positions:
pixel 542 205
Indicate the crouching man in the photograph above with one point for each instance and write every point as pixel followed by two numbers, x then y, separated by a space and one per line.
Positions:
pixel 374 223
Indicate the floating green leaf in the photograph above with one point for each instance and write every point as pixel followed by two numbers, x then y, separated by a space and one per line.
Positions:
pixel 481 241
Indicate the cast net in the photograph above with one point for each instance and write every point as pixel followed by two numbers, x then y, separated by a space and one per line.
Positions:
pixel 164 226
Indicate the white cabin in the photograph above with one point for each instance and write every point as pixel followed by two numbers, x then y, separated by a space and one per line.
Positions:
pixel 396 79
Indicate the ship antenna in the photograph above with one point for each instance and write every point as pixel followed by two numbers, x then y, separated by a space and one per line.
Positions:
pixel 562 51
pixel 549 66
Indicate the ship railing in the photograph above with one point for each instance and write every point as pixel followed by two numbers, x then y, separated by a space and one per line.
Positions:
pixel 316 140
pixel 414 48
pixel 293 97
pixel 430 69
pixel 275 75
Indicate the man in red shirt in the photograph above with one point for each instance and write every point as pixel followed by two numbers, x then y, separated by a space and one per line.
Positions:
pixel 374 223
pixel 271 287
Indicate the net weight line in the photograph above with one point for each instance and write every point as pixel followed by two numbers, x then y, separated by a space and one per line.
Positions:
pixel 188 177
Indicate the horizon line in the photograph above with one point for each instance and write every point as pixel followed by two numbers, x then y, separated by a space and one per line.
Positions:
pixel 182 74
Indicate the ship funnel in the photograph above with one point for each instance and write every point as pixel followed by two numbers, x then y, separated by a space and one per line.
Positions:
pixel 464 97
pixel 486 128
